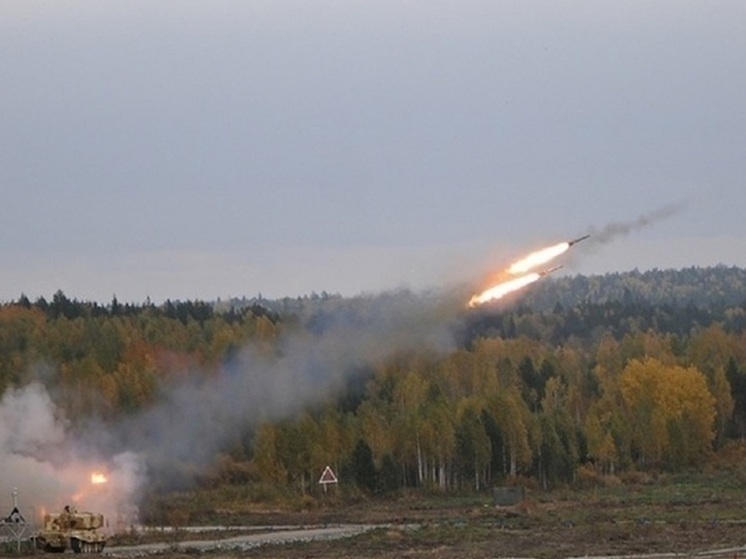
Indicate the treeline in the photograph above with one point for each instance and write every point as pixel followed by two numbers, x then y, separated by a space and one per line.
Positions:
pixel 558 393
pixel 62 306
pixel 110 361
pixel 505 408
pixel 714 287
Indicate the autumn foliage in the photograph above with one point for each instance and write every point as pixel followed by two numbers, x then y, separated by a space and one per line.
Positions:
pixel 524 393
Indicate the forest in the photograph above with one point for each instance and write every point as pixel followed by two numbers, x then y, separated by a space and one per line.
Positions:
pixel 573 379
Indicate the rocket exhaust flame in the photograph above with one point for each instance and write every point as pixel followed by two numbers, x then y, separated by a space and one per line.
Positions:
pixel 537 258
pixel 502 289
pixel 521 268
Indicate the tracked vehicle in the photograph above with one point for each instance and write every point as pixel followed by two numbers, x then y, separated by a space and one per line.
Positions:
pixel 83 532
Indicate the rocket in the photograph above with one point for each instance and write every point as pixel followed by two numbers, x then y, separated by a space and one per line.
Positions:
pixel 549 271
pixel 576 241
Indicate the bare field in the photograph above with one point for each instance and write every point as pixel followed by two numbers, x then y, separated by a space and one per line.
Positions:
pixel 686 518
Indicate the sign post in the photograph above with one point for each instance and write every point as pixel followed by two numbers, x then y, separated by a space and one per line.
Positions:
pixel 327 477
pixel 14 524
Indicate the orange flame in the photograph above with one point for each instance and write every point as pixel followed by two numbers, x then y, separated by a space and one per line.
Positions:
pixel 521 268
pixel 537 258
pixel 98 478
pixel 502 289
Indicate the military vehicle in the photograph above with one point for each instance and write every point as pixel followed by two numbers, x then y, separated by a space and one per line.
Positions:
pixel 83 532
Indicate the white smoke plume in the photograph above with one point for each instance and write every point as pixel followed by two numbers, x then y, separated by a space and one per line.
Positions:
pixel 309 365
pixel 49 469
pixel 202 414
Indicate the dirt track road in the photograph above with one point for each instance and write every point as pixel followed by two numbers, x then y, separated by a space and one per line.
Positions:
pixel 248 541
pixel 260 544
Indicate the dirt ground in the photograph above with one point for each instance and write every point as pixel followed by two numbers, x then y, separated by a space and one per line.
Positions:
pixel 541 530
pixel 469 538
pixel 673 521
pixel 466 542
pixel 722 541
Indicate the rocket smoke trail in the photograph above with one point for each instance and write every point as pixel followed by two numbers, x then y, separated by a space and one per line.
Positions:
pixel 545 255
pixel 613 230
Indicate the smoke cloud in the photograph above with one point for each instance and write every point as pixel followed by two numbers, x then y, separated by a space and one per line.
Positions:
pixel 51 469
pixel 205 412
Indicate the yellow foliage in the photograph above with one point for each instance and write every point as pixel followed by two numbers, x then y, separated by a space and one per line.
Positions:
pixel 670 410
pixel 266 459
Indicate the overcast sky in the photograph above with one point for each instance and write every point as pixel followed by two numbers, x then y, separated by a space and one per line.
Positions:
pixel 223 148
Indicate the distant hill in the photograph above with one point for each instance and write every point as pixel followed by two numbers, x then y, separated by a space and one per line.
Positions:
pixel 711 287
pixel 552 310
pixel 715 287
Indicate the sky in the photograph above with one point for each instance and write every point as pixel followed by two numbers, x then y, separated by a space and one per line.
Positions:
pixel 204 150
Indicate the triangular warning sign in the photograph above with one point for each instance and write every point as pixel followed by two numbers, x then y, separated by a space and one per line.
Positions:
pixel 328 476
pixel 15 516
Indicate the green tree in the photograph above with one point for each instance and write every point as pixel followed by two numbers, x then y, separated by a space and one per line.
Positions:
pixel 473 443
pixel 737 382
pixel 558 456
pixel 361 465
pixel 513 419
